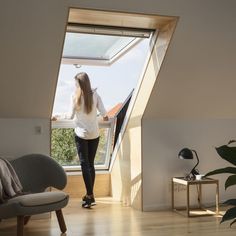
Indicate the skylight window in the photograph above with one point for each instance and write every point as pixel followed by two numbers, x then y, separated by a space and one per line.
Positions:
pixel 94 47
pixel 98 45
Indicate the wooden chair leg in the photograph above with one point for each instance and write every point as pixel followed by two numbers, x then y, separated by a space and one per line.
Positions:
pixel 26 219
pixel 61 221
pixel 20 225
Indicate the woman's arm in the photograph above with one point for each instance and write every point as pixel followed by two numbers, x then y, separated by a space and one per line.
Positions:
pixel 101 108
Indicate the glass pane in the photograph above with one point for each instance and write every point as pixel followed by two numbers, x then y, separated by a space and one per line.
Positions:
pixel 114 83
pixel 91 46
pixel 102 147
pixel 64 151
pixel 63 148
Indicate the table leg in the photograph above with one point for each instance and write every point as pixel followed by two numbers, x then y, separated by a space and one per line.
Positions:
pixel 217 198
pixel 173 197
pixel 188 213
pixel 200 196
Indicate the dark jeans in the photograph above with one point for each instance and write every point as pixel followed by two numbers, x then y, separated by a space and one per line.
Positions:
pixel 87 151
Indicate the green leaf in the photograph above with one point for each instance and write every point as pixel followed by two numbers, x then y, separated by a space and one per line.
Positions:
pixel 232 222
pixel 227 153
pixel 230 170
pixel 231 141
pixel 230 202
pixel 229 214
pixel 231 180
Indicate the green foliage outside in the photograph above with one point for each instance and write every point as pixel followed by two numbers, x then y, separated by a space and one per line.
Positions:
pixel 64 151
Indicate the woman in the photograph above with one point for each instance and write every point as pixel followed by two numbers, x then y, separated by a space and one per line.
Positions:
pixel 85 103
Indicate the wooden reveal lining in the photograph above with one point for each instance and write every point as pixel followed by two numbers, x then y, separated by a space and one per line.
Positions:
pixel 127 174
pixel 119 19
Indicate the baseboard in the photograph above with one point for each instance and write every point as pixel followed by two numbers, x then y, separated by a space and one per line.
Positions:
pixel 156 208
pixel 167 207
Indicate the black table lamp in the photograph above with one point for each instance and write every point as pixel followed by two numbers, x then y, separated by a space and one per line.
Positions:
pixel 187 153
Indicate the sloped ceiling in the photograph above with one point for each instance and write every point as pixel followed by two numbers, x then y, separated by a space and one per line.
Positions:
pixel 31 42
pixel 197 78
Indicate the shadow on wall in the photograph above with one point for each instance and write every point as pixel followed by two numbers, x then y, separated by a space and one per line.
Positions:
pixel 136 189
pixel 125 171
pixel 129 164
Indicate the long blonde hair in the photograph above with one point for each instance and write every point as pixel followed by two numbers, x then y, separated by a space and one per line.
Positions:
pixel 84 89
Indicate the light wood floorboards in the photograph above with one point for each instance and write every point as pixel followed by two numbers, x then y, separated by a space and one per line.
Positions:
pixel 111 218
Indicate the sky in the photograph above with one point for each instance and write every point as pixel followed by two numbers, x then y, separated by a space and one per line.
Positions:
pixel 113 83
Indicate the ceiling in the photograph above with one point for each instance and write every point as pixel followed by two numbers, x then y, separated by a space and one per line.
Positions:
pixel 197 78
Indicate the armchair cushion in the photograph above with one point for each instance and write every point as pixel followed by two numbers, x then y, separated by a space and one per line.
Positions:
pixel 38 199
pixel 27 207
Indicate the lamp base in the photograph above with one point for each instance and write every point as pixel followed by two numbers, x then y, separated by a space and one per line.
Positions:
pixel 192 175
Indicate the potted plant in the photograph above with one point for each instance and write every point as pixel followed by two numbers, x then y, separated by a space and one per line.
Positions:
pixel 228 153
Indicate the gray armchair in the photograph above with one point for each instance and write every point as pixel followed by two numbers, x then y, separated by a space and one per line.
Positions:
pixel 36 173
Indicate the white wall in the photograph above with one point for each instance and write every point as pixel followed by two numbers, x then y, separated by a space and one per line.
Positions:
pixel 192 103
pixel 197 79
pixel 21 136
pixel 164 138
pixel 32 34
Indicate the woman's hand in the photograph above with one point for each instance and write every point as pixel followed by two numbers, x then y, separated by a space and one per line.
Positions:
pixel 54 118
pixel 105 118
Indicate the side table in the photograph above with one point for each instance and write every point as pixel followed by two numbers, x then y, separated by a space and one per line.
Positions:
pixel 199 183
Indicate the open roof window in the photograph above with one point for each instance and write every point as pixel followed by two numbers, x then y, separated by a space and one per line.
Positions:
pixel 114 59
pixel 98 45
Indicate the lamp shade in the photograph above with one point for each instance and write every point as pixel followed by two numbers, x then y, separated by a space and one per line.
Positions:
pixel 185 153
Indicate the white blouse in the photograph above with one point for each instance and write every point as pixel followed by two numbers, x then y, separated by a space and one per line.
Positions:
pixel 86 125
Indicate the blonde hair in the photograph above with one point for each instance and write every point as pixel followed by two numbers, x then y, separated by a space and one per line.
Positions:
pixel 84 89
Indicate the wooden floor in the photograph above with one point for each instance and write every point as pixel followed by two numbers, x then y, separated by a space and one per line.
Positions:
pixel 111 218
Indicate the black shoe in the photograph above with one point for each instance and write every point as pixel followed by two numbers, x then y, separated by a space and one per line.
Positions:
pixel 92 199
pixel 87 203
